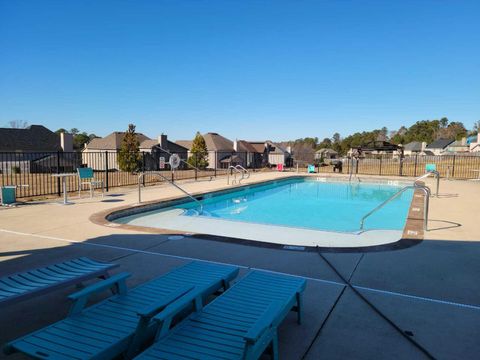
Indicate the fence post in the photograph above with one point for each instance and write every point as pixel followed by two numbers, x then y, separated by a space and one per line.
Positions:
pixel 59 191
pixel 400 167
pixel 380 170
pixel 196 166
pixel 215 165
pixel 106 171
pixel 415 169
pixel 453 167
pixel 143 167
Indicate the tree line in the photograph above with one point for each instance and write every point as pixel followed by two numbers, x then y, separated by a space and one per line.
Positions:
pixel 422 131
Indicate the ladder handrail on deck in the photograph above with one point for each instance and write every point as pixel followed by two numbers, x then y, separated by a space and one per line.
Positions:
pixel 427 174
pixel 426 205
pixel 246 173
pixel 237 170
pixel 140 177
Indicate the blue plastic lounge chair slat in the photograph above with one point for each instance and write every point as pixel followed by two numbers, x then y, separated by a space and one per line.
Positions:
pixel 240 324
pixel 22 286
pixel 122 322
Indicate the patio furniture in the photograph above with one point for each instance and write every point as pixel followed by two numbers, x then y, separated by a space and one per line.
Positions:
pixel 8 195
pixel 64 176
pixel 430 167
pixel 240 324
pixel 23 286
pixel 109 328
pixel 86 177
pixel 311 169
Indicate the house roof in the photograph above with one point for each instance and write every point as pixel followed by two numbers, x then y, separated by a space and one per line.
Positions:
pixel 214 142
pixel 243 145
pixel 440 144
pixel 187 144
pixel 259 146
pixel 35 138
pixel 326 150
pixel 413 146
pixel 112 141
pixel 217 142
pixel 276 148
pixel 458 143
pixel 171 146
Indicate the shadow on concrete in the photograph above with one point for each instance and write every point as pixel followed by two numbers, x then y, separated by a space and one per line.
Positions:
pixel 418 287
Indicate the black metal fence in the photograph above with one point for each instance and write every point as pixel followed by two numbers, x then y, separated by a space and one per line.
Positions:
pixel 449 166
pixel 32 172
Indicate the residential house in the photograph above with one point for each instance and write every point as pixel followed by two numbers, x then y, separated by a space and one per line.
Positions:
pixel 35 149
pixel 102 153
pixel 221 151
pixel 273 153
pixel 461 146
pixel 439 147
pixel 414 148
pixel 325 154
pixel 154 149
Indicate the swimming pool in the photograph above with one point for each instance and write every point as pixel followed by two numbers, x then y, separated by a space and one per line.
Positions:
pixel 296 211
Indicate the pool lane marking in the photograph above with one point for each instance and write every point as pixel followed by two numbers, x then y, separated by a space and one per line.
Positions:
pixel 330 282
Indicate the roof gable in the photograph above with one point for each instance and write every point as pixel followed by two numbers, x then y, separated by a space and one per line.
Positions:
pixel 440 144
pixel 112 141
pixel 35 138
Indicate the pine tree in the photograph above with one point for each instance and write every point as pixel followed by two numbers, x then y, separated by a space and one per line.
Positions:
pixel 199 157
pixel 129 154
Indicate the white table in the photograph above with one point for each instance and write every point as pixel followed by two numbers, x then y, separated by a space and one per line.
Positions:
pixel 64 181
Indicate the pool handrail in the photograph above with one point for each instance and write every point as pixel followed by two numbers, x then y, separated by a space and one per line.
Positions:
pixel 426 205
pixel 246 173
pixel 140 177
pixel 231 167
pixel 427 174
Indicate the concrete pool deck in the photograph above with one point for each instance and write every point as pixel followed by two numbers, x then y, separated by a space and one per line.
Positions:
pixel 407 303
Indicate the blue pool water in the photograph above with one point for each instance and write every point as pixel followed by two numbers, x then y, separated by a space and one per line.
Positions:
pixel 331 206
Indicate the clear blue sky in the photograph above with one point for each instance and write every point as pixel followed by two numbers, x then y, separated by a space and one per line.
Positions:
pixel 247 69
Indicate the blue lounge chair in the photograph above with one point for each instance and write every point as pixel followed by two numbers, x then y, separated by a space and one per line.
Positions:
pixel 23 286
pixel 121 322
pixel 240 324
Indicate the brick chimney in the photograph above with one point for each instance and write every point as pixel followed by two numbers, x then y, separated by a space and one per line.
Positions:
pixel 163 142
pixel 66 142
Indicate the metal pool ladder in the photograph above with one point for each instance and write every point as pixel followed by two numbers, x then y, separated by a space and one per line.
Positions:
pixel 427 174
pixel 238 169
pixel 140 177
pixel 426 204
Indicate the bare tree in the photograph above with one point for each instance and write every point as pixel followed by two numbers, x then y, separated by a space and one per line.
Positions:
pixel 18 124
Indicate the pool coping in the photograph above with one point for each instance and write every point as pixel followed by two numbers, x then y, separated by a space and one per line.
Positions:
pixel 412 234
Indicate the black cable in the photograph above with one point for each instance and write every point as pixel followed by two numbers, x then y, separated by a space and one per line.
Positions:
pixel 374 308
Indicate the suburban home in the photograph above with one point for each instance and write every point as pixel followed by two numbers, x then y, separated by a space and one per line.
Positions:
pixel 154 149
pixel 273 153
pixel 325 154
pixel 100 151
pixel 221 151
pixel 35 149
pixel 414 148
pixel 461 146
pixel 439 147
